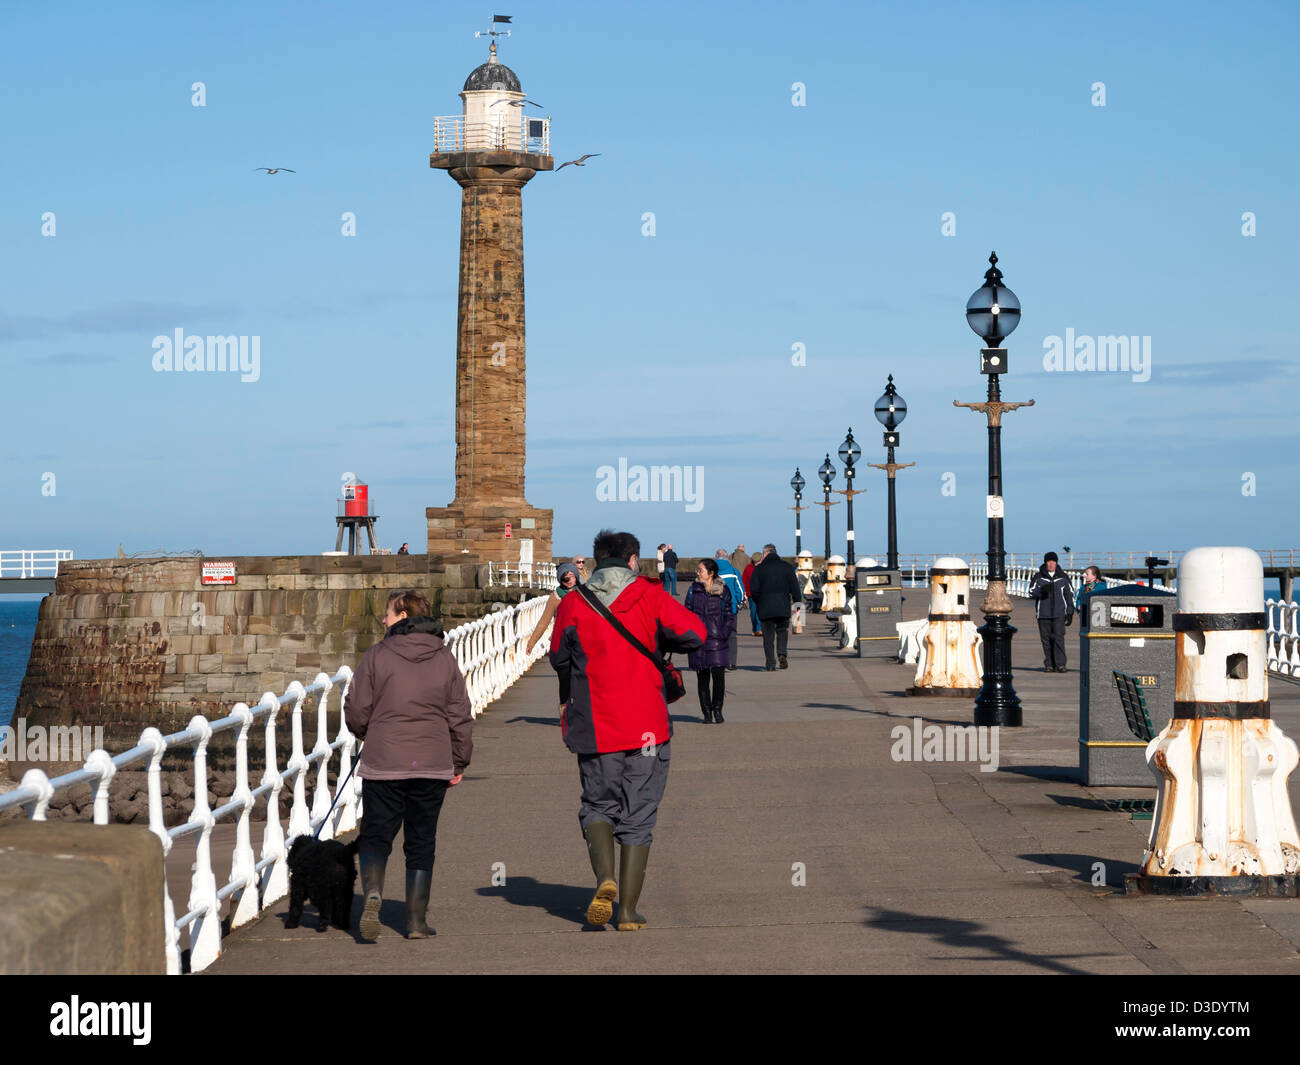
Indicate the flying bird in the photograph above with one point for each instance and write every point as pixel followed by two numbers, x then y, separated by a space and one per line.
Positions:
pixel 274 170
pixel 518 103
pixel 579 162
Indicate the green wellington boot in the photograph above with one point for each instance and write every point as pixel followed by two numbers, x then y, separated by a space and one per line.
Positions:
pixel 418 883
pixel 631 878
pixel 372 865
pixel 600 848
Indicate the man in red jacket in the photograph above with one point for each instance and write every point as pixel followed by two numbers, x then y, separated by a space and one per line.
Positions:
pixel 616 718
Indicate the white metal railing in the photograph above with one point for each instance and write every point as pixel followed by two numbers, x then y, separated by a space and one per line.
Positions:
pixel 490 651
pixel 522 575
pixel 507 132
pixel 1283 636
pixel 491 656
pixel 37 563
pixel 254 882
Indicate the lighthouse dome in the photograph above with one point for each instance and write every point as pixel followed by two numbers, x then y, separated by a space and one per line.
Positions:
pixel 492 75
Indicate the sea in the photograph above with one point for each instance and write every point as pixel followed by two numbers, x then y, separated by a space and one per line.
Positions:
pixel 18 629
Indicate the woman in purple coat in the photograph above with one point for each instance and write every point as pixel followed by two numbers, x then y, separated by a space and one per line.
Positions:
pixel 709 597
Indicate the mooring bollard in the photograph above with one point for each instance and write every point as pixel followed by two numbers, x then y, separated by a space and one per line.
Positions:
pixel 949 659
pixel 833 591
pixel 1223 823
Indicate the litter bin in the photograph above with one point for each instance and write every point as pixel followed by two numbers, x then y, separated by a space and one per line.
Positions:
pixel 1129 629
pixel 879 608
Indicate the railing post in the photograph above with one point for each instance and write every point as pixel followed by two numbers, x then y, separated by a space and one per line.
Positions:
pixel 299 819
pixel 36 778
pixel 171 937
pixel 99 761
pixel 243 864
pixel 205 932
pixel 320 803
pixel 345 816
pixel 275 877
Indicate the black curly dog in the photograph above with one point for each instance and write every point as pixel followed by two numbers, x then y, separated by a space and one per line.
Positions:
pixel 322 872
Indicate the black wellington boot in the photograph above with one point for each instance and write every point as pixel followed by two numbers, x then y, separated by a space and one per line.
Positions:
pixel 418 882
pixel 632 862
pixel 600 849
pixel 372 866
pixel 705 709
pixel 717 710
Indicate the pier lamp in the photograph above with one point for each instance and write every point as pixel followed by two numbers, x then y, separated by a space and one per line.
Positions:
pixel 797 482
pixel 827 473
pixel 891 409
pixel 849 454
pixel 993 312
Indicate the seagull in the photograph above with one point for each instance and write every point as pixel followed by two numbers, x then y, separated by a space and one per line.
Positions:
pixel 519 103
pixel 579 162
pixel 274 170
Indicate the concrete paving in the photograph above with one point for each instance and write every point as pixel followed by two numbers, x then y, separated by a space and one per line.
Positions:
pixel 790 841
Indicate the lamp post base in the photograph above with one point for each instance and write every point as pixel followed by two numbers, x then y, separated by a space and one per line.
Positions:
pixel 997 702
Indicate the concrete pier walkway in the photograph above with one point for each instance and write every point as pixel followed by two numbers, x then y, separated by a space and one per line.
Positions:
pixel 905 867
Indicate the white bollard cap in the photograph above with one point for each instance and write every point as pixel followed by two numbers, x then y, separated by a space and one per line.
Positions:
pixel 1220 580
pixel 950 563
pixel 835 560
pixel 866 563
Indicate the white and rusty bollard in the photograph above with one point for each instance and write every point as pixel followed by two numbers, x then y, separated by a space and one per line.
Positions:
pixel 949 659
pixel 1223 822
pixel 833 591
pixel 807 588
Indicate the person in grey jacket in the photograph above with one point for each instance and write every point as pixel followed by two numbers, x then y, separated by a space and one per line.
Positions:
pixel 409 704
pixel 1051 590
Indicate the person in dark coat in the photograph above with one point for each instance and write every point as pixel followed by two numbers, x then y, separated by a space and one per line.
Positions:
pixel 710 599
pixel 670 570
pixel 775 588
pixel 1055 610
pixel 409 704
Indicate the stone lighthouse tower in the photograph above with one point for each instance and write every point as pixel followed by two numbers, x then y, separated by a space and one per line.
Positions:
pixel 492 150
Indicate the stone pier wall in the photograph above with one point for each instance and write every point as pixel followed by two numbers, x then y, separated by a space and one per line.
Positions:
pixel 128 643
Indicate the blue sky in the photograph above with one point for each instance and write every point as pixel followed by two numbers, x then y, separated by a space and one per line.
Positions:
pixel 775 225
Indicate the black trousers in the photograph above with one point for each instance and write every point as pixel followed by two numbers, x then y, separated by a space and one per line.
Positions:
pixel 777 629
pixel 412 805
pixel 718 677
pixel 1052 632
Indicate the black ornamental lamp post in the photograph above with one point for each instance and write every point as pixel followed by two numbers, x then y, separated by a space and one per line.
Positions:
pixel 993 312
pixel 849 454
pixel 797 482
pixel 891 409
pixel 827 473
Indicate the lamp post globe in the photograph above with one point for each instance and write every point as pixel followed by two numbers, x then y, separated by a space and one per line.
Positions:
pixel 891 408
pixel 993 311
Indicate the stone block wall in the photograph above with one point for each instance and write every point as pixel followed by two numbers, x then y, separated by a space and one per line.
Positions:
pixel 128 643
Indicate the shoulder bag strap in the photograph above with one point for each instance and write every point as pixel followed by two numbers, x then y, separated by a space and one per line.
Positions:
pixel 590 598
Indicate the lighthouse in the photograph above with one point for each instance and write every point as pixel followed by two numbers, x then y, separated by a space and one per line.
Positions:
pixel 492 149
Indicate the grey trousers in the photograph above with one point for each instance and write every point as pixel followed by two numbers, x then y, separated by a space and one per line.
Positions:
pixel 625 789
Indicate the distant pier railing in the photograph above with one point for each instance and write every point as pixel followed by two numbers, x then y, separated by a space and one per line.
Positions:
pixel 25 564
pixel 1283 637
pixel 522 575
pixel 491 656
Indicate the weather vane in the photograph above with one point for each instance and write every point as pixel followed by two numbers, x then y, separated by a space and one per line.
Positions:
pixel 494 33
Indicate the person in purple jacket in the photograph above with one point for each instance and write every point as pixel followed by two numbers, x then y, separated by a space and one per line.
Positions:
pixel 710 599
